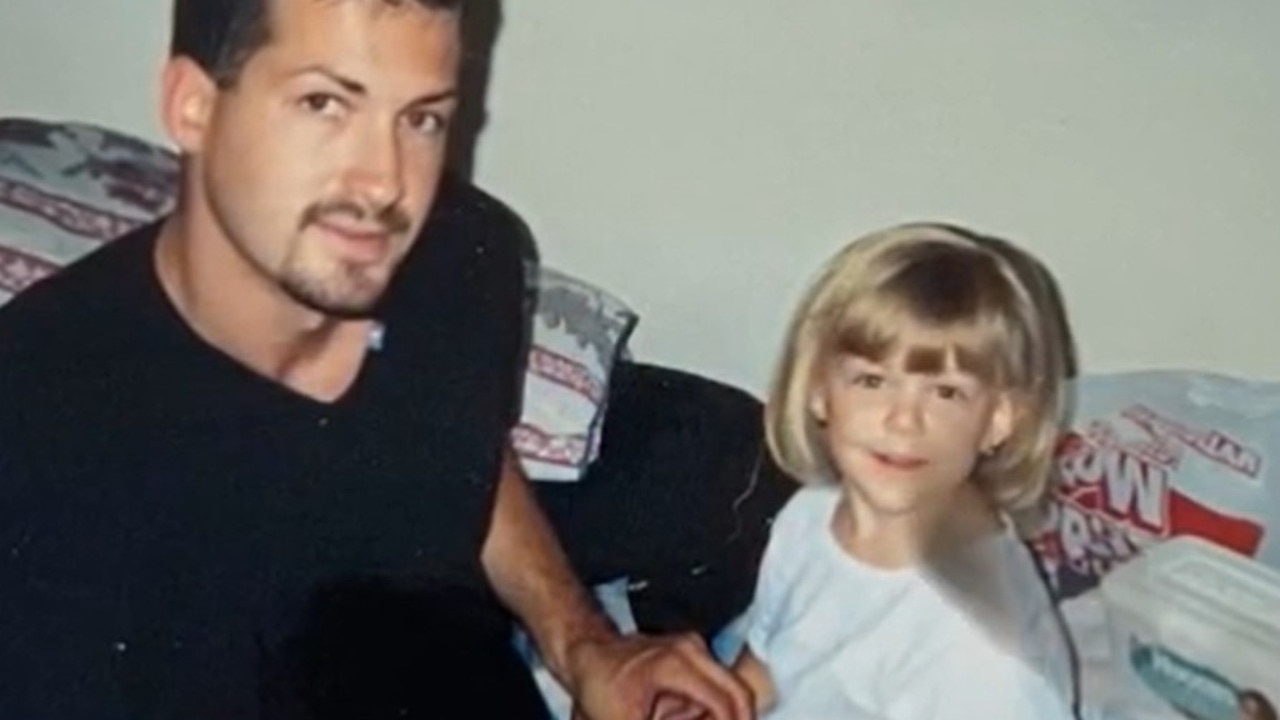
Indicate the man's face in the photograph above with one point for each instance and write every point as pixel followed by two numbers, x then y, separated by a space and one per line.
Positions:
pixel 320 163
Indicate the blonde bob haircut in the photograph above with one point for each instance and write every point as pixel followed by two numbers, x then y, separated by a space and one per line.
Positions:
pixel 997 312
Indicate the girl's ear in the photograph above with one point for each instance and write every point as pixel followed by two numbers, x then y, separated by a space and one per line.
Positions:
pixel 1004 416
pixel 818 404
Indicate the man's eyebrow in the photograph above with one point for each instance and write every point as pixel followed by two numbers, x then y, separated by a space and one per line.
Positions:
pixel 435 97
pixel 355 87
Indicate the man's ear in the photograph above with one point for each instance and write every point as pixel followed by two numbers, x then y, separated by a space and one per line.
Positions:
pixel 187 100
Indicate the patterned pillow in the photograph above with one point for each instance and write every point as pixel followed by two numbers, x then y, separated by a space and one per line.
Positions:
pixel 65 188
pixel 578 332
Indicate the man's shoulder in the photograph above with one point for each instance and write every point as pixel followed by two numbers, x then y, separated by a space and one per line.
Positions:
pixel 470 235
pixel 77 301
pixel 473 254
pixel 471 215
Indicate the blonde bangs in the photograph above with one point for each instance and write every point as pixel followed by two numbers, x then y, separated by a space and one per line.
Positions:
pixel 953 297
pixel 976 347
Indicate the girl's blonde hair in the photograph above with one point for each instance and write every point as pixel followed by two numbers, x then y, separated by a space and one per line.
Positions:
pixel 999 309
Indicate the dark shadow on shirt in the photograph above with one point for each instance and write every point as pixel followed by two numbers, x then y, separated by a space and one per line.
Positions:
pixel 371 649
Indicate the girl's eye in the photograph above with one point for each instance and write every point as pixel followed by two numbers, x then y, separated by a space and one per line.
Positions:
pixel 950 392
pixel 870 381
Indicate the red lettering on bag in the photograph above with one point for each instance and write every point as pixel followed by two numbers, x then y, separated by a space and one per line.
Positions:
pixel 1212 444
pixel 1114 499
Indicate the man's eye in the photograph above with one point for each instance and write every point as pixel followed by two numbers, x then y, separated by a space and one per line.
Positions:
pixel 426 122
pixel 321 103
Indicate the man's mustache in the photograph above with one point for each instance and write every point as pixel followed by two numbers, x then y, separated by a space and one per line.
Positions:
pixel 392 219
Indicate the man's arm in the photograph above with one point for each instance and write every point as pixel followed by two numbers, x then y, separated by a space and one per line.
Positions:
pixel 610 677
pixel 531 574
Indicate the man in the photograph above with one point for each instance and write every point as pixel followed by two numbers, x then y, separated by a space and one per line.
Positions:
pixel 254 456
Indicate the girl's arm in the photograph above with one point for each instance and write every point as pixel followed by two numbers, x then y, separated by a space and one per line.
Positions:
pixel 756 676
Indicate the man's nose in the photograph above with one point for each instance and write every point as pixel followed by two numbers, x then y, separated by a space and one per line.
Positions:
pixel 377 175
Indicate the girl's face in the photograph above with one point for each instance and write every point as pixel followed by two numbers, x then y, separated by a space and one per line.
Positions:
pixel 905 438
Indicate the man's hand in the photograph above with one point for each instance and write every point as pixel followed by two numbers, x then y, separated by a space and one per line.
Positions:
pixel 638 677
pixel 611 677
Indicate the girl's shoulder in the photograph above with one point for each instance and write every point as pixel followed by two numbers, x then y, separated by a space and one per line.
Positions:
pixel 809 508
pixel 809 503
pixel 796 530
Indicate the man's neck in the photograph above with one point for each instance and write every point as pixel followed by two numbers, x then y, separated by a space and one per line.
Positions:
pixel 230 306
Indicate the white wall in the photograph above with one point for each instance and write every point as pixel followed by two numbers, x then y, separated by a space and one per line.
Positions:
pixel 105 69
pixel 701 158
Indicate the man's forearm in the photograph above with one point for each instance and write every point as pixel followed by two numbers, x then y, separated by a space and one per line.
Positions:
pixel 531 574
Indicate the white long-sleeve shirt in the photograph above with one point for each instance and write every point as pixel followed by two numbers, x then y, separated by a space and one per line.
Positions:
pixel 843 639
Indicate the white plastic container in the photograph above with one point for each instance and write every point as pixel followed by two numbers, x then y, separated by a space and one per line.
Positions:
pixel 1195 631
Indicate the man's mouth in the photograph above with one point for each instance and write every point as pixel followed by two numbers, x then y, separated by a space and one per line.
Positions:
pixel 362 244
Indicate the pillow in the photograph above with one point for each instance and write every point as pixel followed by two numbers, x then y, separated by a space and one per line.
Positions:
pixel 1155 454
pixel 65 188
pixel 579 334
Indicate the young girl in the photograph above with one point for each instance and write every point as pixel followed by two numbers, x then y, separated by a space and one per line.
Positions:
pixel 918 397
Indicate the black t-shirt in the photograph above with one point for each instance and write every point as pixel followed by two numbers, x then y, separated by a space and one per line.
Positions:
pixel 178 531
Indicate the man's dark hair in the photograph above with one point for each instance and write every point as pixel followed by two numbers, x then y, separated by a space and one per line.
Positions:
pixel 221 35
